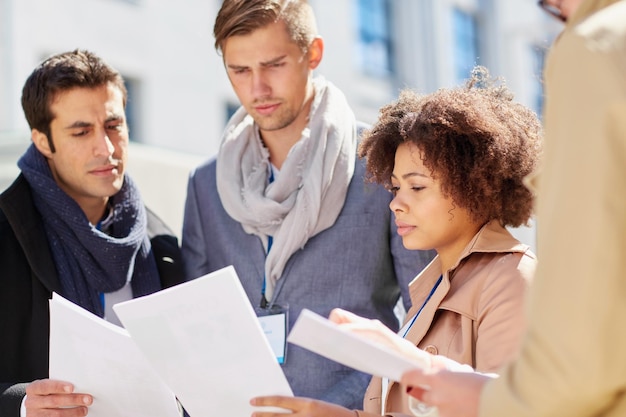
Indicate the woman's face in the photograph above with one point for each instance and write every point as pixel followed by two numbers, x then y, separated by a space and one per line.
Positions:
pixel 425 218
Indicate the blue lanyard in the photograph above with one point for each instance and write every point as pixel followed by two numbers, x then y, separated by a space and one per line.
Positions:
pixel 422 307
pixel 270 239
pixel 263 299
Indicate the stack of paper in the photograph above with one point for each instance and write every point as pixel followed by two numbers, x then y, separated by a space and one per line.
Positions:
pixel 201 337
pixel 320 335
pixel 100 359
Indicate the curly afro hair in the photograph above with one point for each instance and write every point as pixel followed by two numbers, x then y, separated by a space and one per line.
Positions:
pixel 475 140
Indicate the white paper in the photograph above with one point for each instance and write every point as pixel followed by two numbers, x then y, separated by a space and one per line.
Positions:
pixel 205 341
pixel 100 359
pixel 318 334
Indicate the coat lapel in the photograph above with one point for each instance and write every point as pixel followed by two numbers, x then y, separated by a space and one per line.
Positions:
pixel 422 323
pixel 420 288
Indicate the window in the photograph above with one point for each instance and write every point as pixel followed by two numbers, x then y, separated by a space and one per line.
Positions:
pixel 374 40
pixel 231 108
pixel 133 104
pixel 539 57
pixel 465 44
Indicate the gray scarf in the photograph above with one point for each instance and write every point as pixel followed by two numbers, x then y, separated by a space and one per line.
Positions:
pixel 309 193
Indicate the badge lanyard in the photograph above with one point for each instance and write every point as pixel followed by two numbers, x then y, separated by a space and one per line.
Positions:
pixel 264 302
pixel 274 318
pixel 405 331
pixel 432 291
pixel 270 239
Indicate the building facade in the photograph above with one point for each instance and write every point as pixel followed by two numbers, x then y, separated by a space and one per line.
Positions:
pixel 180 97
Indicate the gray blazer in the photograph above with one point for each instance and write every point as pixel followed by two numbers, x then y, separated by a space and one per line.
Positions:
pixel 358 264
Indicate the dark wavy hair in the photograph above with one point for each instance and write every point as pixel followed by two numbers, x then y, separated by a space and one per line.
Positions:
pixel 59 73
pixel 475 140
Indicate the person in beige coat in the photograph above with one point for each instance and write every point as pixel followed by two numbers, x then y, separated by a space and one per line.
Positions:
pixel 572 361
pixel 454 161
pixel 475 316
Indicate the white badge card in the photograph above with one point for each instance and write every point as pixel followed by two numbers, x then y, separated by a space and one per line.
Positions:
pixel 274 322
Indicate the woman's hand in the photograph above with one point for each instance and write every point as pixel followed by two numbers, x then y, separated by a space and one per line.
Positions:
pixel 301 407
pixel 377 332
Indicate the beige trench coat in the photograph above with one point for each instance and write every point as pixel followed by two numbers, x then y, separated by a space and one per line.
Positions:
pixel 476 314
pixel 573 361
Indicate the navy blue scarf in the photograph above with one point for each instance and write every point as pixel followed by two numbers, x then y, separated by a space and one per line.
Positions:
pixel 88 261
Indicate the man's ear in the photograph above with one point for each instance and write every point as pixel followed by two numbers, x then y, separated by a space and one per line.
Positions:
pixel 316 52
pixel 41 142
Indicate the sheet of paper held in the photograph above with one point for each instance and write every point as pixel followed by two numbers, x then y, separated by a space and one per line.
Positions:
pixel 99 358
pixel 318 334
pixel 204 339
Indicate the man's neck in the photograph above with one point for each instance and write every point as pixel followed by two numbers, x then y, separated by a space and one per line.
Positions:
pixel 95 210
pixel 279 147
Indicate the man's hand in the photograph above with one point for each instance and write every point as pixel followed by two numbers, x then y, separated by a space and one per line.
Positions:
pixel 300 407
pixel 454 393
pixel 48 397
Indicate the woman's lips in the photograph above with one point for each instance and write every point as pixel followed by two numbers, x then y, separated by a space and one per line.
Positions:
pixel 404 228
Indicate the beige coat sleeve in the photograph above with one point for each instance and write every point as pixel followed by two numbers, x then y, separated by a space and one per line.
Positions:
pixel 573 360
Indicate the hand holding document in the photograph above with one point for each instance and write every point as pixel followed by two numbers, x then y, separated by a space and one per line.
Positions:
pixel 379 355
pixel 320 335
pixel 100 359
pixel 204 339
pixel 199 340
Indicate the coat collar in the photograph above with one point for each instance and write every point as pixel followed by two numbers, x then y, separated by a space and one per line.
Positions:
pixel 491 238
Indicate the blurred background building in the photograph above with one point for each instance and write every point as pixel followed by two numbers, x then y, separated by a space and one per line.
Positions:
pixel 180 98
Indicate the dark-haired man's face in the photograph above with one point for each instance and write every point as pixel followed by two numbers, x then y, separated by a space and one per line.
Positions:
pixel 90 137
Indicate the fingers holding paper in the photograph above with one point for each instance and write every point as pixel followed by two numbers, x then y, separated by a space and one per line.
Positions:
pixel 48 395
pixel 341 316
pixel 454 393
pixel 298 406
pixel 376 331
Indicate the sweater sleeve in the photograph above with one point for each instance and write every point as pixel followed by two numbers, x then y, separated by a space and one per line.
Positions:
pixel 572 360
pixel 193 245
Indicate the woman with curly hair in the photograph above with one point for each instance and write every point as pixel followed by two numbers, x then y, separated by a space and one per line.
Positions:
pixel 455 161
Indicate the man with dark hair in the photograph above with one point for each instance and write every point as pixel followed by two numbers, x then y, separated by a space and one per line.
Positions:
pixel 73 223
pixel 285 202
